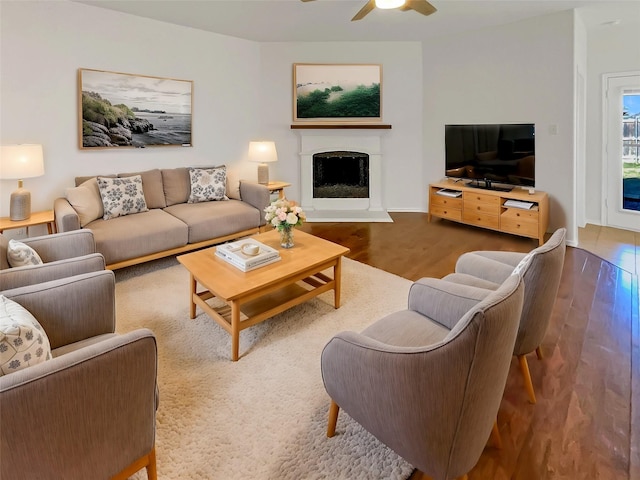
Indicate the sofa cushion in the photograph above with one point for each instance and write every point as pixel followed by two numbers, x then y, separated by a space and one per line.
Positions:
pixel 152 187
pixel 23 341
pixel 208 184
pixel 176 184
pixel 137 235
pixel 21 255
pixel 233 185
pixel 207 220
pixel 86 200
pixel 121 196
pixel 80 180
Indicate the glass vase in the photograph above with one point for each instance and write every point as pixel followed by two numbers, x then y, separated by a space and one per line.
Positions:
pixel 286 237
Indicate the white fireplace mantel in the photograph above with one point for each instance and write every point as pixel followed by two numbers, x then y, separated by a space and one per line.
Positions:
pixel 342 209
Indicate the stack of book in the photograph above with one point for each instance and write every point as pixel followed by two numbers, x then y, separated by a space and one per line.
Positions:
pixel 247 254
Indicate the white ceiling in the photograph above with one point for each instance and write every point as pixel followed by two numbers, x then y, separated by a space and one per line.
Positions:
pixel 330 20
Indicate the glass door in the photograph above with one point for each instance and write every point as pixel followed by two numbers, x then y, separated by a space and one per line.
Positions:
pixel 622 148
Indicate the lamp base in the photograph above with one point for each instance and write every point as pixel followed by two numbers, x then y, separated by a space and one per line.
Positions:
pixel 20 207
pixel 263 173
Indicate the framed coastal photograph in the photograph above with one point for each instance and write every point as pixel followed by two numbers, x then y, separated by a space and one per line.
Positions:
pixel 126 110
pixel 337 93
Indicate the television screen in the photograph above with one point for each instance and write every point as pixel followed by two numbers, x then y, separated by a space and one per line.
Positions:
pixel 488 153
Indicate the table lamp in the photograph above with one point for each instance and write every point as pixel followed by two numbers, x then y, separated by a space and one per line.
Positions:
pixel 18 162
pixel 263 152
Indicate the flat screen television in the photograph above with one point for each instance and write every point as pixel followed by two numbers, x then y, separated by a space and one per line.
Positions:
pixel 488 155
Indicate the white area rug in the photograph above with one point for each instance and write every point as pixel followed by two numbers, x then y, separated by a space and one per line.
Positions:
pixel 265 416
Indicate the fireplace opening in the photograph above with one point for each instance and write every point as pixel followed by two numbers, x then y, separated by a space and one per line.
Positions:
pixel 341 174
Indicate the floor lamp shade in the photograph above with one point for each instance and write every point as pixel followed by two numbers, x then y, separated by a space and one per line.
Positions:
pixel 16 163
pixel 264 153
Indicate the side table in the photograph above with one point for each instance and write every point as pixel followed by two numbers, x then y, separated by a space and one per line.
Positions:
pixel 278 187
pixel 36 218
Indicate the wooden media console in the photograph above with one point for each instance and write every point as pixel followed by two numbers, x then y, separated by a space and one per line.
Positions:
pixel 491 208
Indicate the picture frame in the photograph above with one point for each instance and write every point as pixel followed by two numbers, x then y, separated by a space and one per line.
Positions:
pixel 337 93
pixel 119 110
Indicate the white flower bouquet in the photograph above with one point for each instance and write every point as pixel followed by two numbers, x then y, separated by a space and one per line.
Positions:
pixel 284 215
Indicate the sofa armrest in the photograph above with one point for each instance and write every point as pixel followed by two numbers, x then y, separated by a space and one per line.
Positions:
pixel 67 218
pixel 87 414
pixel 257 195
pixel 72 308
pixel 444 302
pixel 22 276
pixel 63 245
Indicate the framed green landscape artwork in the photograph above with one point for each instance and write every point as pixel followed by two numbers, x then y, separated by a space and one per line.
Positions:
pixel 337 93
pixel 125 110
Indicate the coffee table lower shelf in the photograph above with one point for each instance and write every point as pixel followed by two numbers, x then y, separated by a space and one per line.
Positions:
pixel 237 315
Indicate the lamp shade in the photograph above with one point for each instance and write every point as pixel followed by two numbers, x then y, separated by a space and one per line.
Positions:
pixel 263 152
pixel 21 161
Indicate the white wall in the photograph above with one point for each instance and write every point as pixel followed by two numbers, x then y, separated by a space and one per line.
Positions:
pixel 44 43
pixel 611 49
pixel 401 107
pixel 521 72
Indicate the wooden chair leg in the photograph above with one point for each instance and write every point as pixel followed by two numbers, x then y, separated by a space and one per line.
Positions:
pixel 152 472
pixel 418 475
pixel 333 419
pixel 495 434
pixel 148 462
pixel 539 352
pixel 524 368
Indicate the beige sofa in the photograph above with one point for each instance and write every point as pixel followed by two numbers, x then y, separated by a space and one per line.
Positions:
pixel 171 225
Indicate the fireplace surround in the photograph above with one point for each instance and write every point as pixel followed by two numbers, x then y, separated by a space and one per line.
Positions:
pixel 355 207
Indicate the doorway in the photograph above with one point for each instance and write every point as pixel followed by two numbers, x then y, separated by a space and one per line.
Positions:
pixel 622 150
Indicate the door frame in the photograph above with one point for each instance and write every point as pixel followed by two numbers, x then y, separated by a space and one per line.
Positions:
pixel 606 221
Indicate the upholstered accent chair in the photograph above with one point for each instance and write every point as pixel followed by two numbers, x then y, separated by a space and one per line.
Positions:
pixel 428 381
pixel 541 270
pixel 63 255
pixel 90 411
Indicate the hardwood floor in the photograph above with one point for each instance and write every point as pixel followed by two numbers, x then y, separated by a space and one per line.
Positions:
pixel 586 423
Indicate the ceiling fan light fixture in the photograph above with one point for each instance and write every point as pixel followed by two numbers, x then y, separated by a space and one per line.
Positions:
pixel 388 4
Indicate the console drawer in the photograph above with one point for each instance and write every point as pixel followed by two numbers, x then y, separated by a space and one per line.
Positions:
pixel 481 219
pixel 446 212
pixel 520 226
pixel 520 215
pixel 481 207
pixel 472 198
pixel 449 202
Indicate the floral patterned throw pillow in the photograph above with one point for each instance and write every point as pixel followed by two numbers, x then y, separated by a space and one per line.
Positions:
pixel 121 196
pixel 208 184
pixel 23 342
pixel 21 255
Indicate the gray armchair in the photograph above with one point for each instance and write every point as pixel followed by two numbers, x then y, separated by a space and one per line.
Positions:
pixel 90 411
pixel 428 381
pixel 64 254
pixel 541 271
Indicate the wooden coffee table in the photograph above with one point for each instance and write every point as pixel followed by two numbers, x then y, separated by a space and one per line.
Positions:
pixel 259 294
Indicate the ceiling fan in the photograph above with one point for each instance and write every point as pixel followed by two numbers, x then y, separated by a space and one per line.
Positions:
pixel 420 6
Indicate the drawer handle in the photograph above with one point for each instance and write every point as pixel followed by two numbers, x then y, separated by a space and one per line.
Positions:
pixel 517 214
pixel 477 208
pixel 445 212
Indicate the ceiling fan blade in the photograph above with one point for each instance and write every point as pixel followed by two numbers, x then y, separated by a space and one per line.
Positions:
pixel 370 5
pixel 306 0
pixel 420 6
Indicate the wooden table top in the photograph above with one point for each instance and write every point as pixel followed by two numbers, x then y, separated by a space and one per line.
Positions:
pixel 229 282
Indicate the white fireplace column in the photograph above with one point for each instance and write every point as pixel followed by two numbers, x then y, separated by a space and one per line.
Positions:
pixel 342 209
